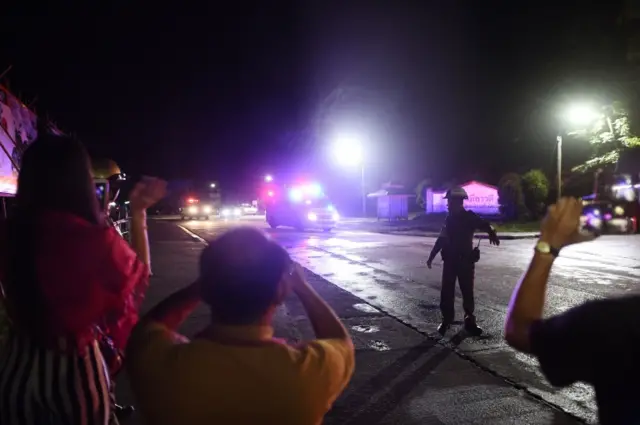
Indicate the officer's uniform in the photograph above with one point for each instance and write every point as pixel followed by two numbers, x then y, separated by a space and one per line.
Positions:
pixel 107 171
pixel 455 242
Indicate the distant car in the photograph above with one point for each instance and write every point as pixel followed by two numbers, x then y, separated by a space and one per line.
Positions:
pixel 248 209
pixel 607 217
pixel 193 209
pixel 302 207
pixel 231 212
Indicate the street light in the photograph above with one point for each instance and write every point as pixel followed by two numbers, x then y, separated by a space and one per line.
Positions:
pixel 268 178
pixel 578 116
pixel 212 185
pixel 348 152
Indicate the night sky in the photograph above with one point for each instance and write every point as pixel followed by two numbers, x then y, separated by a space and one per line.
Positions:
pixel 229 91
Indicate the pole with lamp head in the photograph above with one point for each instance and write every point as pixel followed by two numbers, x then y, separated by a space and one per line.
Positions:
pixel 348 152
pixel 579 116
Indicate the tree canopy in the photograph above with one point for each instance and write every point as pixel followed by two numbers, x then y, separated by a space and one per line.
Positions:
pixel 609 136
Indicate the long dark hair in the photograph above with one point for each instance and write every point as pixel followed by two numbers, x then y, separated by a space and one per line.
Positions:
pixel 55 175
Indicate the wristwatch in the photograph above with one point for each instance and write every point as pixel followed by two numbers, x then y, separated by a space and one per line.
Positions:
pixel 544 248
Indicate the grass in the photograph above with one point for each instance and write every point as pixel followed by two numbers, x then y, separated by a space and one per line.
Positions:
pixel 517 226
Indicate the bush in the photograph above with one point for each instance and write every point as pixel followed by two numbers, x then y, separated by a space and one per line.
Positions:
pixel 535 188
pixel 511 198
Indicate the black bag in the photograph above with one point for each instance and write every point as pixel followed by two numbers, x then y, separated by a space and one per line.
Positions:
pixel 113 357
pixel 475 254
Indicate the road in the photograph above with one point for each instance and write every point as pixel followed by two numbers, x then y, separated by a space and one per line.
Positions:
pixel 388 272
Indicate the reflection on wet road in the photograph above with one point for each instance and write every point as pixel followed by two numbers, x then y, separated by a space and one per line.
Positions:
pixel 388 272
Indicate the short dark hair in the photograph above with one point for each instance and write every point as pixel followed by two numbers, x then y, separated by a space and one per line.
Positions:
pixel 240 273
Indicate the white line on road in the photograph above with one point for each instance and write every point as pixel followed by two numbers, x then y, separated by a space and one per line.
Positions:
pixel 192 235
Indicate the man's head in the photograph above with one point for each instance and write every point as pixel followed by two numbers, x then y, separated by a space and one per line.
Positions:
pixel 241 276
pixel 455 199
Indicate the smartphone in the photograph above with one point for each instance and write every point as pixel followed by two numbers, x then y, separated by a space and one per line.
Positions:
pixel 101 193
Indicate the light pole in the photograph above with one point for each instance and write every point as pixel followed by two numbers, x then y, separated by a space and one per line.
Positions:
pixel 578 116
pixel 559 164
pixel 348 152
pixel 362 189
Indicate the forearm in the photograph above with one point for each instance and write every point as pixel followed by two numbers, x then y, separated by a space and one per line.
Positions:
pixel 139 237
pixel 485 226
pixel 437 247
pixel 325 322
pixel 173 311
pixel 527 302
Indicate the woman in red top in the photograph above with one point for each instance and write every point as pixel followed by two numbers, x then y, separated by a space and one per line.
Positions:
pixel 63 272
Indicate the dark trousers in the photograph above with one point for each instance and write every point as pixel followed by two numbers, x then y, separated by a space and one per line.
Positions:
pixel 464 273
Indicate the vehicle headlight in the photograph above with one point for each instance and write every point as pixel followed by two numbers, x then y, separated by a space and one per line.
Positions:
pixel 193 210
pixel 618 210
pixel 336 216
pixel 237 211
pixel 312 216
pixel 226 212
pixel 206 209
pixel 596 213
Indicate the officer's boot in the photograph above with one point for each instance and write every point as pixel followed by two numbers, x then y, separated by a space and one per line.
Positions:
pixel 444 326
pixel 471 326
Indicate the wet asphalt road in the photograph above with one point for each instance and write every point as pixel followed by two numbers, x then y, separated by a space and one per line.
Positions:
pixel 388 272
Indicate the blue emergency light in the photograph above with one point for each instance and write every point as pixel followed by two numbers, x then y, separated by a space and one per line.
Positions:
pixel 298 193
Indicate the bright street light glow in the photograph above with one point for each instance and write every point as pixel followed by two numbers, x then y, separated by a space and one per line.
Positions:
pixel 582 114
pixel 348 151
pixel 212 185
pixel 268 178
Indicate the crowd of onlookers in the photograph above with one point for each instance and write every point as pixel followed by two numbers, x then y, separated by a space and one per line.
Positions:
pixel 72 288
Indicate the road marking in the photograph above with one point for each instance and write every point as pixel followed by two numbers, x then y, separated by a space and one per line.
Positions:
pixel 193 235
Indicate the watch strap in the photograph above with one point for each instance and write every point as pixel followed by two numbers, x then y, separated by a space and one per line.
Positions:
pixel 552 250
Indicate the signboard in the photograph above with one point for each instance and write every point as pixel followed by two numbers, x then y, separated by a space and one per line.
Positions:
pixel 17 129
pixel 483 199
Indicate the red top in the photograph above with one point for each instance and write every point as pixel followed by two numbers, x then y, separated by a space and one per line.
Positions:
pixel 88 275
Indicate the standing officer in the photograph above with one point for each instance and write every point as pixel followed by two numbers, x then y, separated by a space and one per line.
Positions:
pixel 459 258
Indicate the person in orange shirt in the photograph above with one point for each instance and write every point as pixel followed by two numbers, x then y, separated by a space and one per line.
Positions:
pixel 234 371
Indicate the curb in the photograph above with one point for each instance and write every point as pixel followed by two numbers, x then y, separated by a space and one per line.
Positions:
pixel 450 345
pixel 435 235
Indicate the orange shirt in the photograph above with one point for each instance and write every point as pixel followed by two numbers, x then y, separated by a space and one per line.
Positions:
pixel 257 381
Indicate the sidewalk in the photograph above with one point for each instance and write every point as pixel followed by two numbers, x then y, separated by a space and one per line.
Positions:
pixel 408 228
pixel 402 377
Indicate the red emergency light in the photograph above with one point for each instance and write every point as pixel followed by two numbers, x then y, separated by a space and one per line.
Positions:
pixel 192 201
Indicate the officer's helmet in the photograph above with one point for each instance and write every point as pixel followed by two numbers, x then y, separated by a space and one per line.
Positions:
pixel 107 172
pixel 456 193
pixel 106 169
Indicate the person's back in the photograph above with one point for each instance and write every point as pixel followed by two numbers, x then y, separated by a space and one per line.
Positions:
pixel 243 382
pixel 235 371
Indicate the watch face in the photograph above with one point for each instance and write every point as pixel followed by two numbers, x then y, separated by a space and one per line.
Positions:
pixel 543 247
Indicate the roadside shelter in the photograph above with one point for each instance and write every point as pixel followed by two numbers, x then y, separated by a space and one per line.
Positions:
pixel 393 202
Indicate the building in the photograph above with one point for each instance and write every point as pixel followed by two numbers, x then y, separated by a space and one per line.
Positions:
pixel 483 199
pixel 392 202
